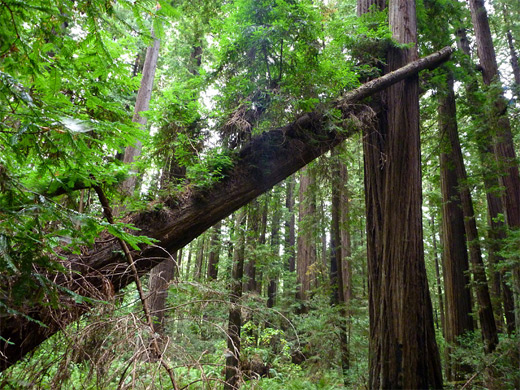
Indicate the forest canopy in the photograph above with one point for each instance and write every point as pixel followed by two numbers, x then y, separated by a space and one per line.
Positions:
pixel 259 194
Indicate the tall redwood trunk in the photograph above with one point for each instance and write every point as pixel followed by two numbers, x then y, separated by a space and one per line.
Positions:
pixel 404 352
pixel 337 261
pixel 458 319
pixel 438 276
pixel 346 244
pixel 160 278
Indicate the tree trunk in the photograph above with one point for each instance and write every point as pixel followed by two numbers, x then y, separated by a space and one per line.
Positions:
pixel 438 277
pixel 265 161
pixel 142 104
pixel 199 263
pixel 406 354
pixel 214 252
pixel 235 313
pixel 160 277
pixel 346 245
pixel 455 255
pixel 306 255
pixel 402 352
pixel 272 286
pixel 337 264
pixel 290 232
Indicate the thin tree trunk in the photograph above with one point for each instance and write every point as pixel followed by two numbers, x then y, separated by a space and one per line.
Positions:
pixel 290 231
pixel 142 104
pixel 438 276
pixel 160 277
pixel 447 116
pixel 272 286
pixel 250 283
pixel 214 252
pixel 235 312
pixel 200 259
pixel 346 244
pixel 337 264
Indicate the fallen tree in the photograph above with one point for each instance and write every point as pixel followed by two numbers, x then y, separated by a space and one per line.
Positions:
pixel 262 163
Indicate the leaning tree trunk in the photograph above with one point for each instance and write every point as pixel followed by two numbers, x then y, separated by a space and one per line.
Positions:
pixel 269 158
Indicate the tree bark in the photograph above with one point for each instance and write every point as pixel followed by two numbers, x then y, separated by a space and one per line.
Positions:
pixel 404 345
pixel 337 264
pixel 290 231
pixel 142 104
pixel 160 277
pixel 214 252
pixel 272 285
pixel 438 276
pixel 455 254
pixel 265 161
pixel 402 351
pixel 235 310
pixel 306 254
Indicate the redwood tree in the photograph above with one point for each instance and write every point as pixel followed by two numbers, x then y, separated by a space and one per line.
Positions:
pixel 403 350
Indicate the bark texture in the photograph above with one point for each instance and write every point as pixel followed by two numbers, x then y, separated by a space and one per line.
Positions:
pixel 214 252
pixel 455 254
pixel 266 160
pixel 290 231
pixel 403 351
pixel 235 312
pixel 306 255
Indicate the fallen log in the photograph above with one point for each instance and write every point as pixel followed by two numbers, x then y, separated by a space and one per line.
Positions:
pixel 262 163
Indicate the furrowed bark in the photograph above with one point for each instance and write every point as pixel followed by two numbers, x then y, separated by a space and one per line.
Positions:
pixel 263 162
